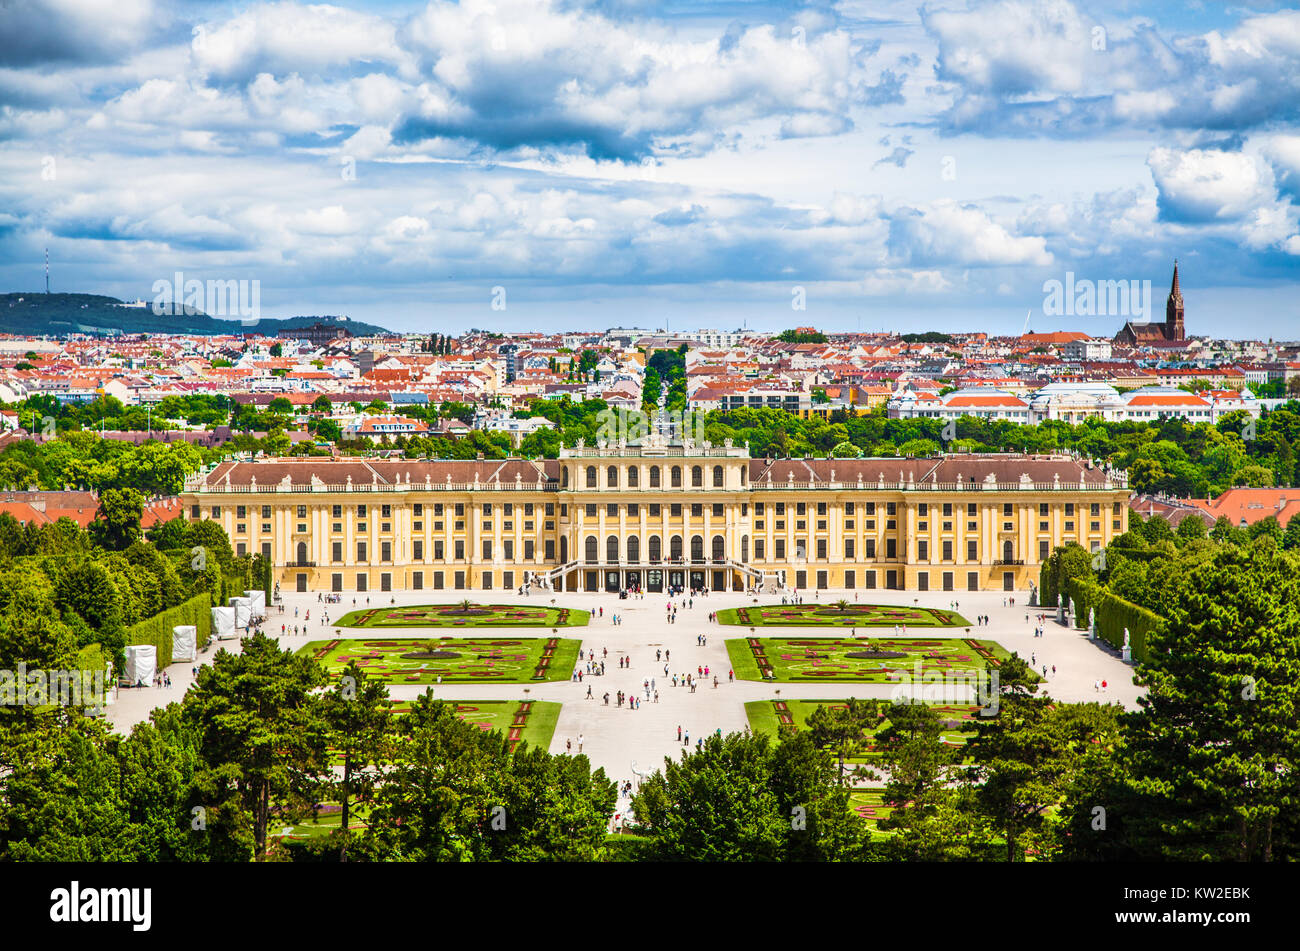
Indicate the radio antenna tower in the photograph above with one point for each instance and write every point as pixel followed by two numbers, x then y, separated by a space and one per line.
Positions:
pixel 47 270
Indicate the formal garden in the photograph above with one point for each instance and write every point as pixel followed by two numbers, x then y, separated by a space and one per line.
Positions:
pixel 414 661
pixel 840 614
pixel 466 614
pixel 877 660
pixel 772 716
pixel 528 721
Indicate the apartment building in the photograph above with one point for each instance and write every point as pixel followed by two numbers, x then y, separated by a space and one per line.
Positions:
pixel 660 516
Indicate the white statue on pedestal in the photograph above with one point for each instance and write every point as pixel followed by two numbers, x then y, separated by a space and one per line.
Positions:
pixel 1127 651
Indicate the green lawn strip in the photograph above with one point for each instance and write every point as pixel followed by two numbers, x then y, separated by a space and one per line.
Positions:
pixel 762 717
pixel 742 660
pixel 499 659
pixel 564 660
pixel 821 659
pixel 859 615
pixel 432 617
pixel 540 726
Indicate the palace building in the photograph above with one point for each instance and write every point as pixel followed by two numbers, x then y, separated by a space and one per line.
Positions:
pixel 660 515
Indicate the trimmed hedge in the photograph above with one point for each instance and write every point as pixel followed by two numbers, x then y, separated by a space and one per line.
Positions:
pixel 157 630
pixel 1114 614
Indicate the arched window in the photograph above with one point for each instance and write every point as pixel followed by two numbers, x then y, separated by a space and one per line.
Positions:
pixel 677 477
pixel 633 549
pixel 717 477
pixel 654 477
pixel 611 477
pixel 634 476
pixel 656 548
pixel 593 550
pixel 697 477
pixel 697 548
pixel 611 549
pixel 719 548
pixel 1008 550
pixel 302 553
pixel 591 477
pixel 564 549
pixel 564 477
pixel 744 548
pixel 675 548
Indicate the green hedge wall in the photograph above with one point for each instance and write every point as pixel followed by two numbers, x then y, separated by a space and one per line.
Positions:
pixel 157 630
pixel 1113 615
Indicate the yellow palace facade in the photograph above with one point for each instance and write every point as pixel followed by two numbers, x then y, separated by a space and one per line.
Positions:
pixel 660 516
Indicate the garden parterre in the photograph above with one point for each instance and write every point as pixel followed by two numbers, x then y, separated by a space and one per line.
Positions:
pixel 811 660
pixel 404 661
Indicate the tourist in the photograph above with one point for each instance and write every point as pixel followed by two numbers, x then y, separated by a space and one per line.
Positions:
pixel 580 742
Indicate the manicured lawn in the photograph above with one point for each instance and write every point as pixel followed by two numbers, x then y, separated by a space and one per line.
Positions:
pixel 817 660
pixel 461 616
pixel 455 659
pixel 830 615
pixel 869 803
pixel 532 722
pixel 768 716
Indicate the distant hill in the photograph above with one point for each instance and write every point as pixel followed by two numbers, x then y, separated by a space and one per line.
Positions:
pixel 40 314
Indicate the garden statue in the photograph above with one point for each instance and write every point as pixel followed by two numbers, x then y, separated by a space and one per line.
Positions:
pixel 1128 651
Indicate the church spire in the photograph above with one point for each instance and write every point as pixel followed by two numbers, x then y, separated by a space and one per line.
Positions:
pixel 1174 326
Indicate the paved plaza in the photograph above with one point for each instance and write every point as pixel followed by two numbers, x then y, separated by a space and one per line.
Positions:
pixel 625 741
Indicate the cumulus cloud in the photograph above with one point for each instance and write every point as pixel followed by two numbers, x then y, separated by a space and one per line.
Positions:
pixel 74 31
pixel 521 73
pixel 1201 185
pixel 948 233
pixel 1042 66
pixel 283 38
pixel 1212 187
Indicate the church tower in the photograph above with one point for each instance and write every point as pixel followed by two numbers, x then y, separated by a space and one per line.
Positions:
pixel 1174 310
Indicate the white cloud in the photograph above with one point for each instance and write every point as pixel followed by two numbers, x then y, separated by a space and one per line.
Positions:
pixel 948 233
pixel 1201 185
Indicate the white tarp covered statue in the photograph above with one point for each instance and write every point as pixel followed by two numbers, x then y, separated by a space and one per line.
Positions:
pixel 185 642
pixel 141 664
pixel 256 602
pixel 223 623
pixel 243 612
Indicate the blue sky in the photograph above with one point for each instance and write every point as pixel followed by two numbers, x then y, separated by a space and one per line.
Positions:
pixel 687 164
